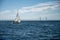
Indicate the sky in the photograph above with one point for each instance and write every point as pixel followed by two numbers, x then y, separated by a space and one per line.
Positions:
pixel 30 9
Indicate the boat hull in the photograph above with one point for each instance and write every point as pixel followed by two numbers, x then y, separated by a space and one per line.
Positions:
pixel 16 22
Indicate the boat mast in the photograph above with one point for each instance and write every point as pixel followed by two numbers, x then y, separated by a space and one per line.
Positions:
pixel 17 14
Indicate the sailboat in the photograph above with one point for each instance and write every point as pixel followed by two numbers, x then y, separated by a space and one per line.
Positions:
pixel 17 19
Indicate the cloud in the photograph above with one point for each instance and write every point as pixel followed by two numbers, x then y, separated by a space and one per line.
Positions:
pixel 41 7
pixel 6 11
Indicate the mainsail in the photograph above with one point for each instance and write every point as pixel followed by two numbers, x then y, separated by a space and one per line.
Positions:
pixel 17 19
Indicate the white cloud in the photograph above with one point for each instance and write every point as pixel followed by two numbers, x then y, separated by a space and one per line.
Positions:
pixel 6 11
pixel 40 7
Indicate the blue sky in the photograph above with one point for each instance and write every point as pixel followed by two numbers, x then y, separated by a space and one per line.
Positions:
pixel 30 9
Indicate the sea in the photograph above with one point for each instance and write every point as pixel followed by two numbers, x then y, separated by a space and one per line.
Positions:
pixel 30 30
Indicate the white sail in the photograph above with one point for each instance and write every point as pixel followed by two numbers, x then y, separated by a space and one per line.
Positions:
pixel 17 19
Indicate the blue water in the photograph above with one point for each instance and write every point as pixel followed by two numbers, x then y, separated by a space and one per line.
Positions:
pixel 30 30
